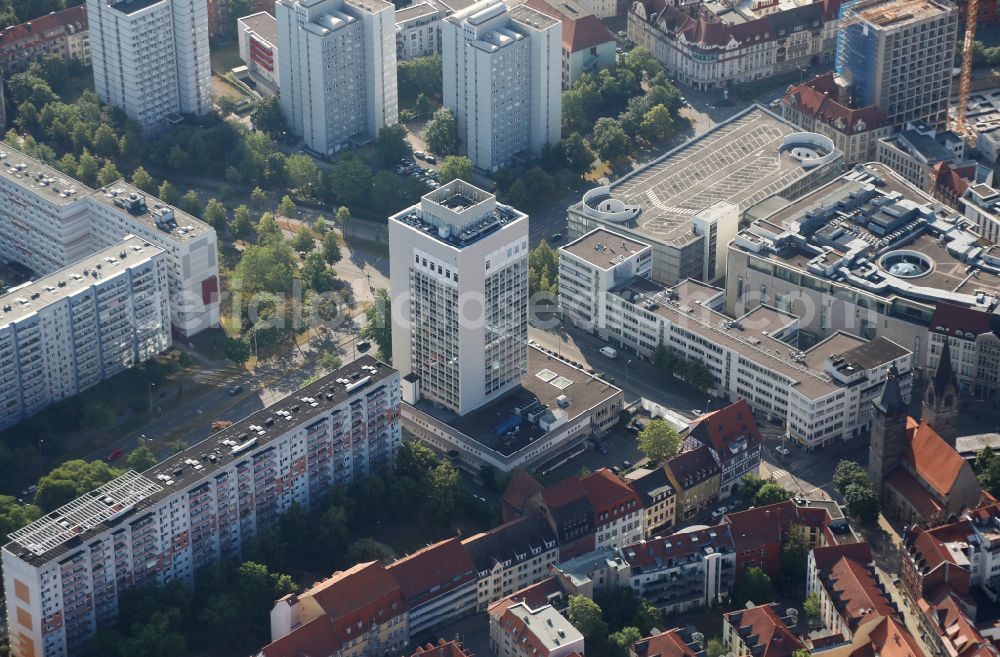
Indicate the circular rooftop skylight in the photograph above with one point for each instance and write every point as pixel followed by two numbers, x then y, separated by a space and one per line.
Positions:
pixel 906 264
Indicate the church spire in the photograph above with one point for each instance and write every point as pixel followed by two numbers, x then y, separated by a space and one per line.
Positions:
pixel 944 376
pixel 890 402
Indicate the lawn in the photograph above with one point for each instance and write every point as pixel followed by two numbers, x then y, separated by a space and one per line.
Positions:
pixel 225 59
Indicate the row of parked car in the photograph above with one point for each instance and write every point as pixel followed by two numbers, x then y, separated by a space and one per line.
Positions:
pixel 429 177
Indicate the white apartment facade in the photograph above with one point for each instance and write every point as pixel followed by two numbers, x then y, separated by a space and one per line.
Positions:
pixel 65 332
pixel 63 574
pixel 49 221
pixel 520 631
pixel 823 394
pixel 459 290
pixel 418 30
pixel 151 58
pixel 337 70
pixel 257 35
pixel 502 70
pixel 981 203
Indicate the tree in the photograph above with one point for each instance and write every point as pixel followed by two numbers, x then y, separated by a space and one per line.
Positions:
pixel 215 214
pixel 801 652
pixel 456 167
pixel 576 154
pixel 141 458
pixel 268 267
pixel 191 203
pixel 343 217
pixel 987 467
pixel 543 270
pixel 87 169
pixel 414 460
pixel 331 248
pixel 715 648
pixel 847 473
pixel 303 174
pixel 656 124
pixel 364 550
pixel 258 197
pixel 142 180
pixel 445 491
pixel 862 502
pixel 105 141
pixel 391 192
pixel 378 326
pixel 242 225
pixel 14 515
pixel 753 586
pixel 610 140
pixel 268 230
pixel 585 615
pixel 811 606
pixel 303 240
pixel 658 441
pixel 419 76
pixel 108 174
pixel 623 639
pixel 771 493
pixel 226 104
pixel 266 116
pixel 350 180
pixel 178 158
pixel 795 553
pixel 169 194
pixel 286 208
pixel 329 361
pixel 392 145
pixel 238 350
pixel 71 480
pixel 422 106
pixel 441 132
pixel 641 60
pixel 316 273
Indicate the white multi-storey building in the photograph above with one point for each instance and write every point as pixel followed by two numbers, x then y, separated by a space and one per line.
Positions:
pixel 257 35
pixel 823 394
pixel 337 69
pixel 64 573
pixel 502 70
pixel 459 288
pixel 150 57
pixel 49 221
pixel 63 333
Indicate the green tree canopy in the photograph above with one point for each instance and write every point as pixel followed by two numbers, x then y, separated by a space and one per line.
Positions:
pixel 14 515
pixel 331 248
pixel 658 441
pixel 303 240
pixel 420 75
pixel 456 167
pixel 144 181
pixel 267 117
pixel 392 145
pixel 753 586
pixel 268 230
pixel 847 473
pixel 215 214
pixel 378 326
pixel 441 132
pixel 795 553
pixel 585 615
pixel 543 269
pixel 657 124
pixel 141 458
pixel 610 140
pixel 771 493
pixel 268 267
pixel 71 480
pixel 242 225
pixel 350 180
pixel 303 174
pixel 576 154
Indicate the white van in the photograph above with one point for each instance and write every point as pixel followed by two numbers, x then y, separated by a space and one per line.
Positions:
pixel 609 352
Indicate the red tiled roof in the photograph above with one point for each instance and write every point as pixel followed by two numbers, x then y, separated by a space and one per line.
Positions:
pixel 726 427
pixel 607 492
pixel 826 557
pixel 314 639
pixel 443 648
pixel 521 487
pixel 692 467
pixel 534 596
pixel 664 644
pixel 820 98
pixel 962 322
pixel 766 630
pixel 677 546
pixel 563 492
pixel 933 459
pixel 858 594
pixel 907 486
pixel 890 638
pixel 929 544
pixel 955 180
pixel 45 27
pixel 581 29
pixel 444 566
pixel 768 524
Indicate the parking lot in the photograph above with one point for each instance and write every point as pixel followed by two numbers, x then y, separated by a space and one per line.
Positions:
pixel 418 169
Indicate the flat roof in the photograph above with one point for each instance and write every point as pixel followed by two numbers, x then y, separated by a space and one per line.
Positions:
pixel 549 626
pixel 25 300
pixel 129 7
pixel 416 10
pixel 547 378
pixel 370 6
pixel 182 228
pixel 739 161
pixel 897 13
pixel 45 181
pixel 264 25
pixel 604 248
pixel 130 495
pixel 532 17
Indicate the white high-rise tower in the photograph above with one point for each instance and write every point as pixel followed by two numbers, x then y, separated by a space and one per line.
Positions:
pixel 151 57
pixel 337 70
pixel 459 283
pixel 502 69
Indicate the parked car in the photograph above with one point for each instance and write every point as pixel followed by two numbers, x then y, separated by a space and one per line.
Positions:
pixel 781 449
pixel 721 511
pixel 697 412
pixel 30 490
pixel 364 346
pixel 235 390
pixel 626 464
pixel 431 159
pixel 419 155
pixel 602 449
pixel 113 456
pixel 609 352
pixel 556 237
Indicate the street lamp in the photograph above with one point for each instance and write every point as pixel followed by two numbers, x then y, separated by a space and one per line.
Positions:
pixel 151 386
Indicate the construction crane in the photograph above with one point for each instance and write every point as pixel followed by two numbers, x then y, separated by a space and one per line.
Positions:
pixel 971 13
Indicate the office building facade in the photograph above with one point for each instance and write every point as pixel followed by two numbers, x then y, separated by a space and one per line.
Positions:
pixel 898 55
pixel 64 573
pixel 49 221
pixel 502 80
pixel 337 70
pixel 459 288
pixel 67 331
pixel 151 58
